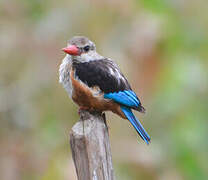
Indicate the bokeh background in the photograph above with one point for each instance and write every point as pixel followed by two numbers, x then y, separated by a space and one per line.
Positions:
pixel 160 45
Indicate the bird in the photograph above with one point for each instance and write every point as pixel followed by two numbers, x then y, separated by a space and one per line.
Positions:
pixel 96 84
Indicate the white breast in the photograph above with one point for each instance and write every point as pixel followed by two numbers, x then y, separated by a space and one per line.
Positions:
pixel 64 74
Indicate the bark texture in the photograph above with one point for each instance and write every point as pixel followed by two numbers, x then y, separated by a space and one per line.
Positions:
pixel 90 147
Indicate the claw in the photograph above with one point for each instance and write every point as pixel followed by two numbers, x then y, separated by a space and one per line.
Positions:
pixel 81 108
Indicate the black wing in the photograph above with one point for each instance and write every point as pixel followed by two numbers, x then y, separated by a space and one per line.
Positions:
pixel 102 73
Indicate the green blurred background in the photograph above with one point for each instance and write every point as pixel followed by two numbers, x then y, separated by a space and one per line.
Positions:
pixel 160 45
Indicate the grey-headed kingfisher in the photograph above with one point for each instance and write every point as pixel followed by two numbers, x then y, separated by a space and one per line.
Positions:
pixel 95 83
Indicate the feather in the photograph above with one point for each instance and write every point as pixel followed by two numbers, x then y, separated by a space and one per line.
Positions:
pixel 102 73
pixel 132 95
pixel 135 122
pixel 127 98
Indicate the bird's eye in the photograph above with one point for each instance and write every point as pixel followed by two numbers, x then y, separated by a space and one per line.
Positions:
pixel 86 48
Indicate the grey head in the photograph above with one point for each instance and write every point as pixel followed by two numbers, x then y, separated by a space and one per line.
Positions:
pixel 81 49
pixel 83 43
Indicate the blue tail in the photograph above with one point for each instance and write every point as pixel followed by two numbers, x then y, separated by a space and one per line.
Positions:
pixel 135 122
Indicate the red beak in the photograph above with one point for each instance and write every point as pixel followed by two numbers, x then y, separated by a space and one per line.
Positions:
pixel 72 50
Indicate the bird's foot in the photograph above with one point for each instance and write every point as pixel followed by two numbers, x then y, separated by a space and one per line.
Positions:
pixel 91 110
pixel 82 108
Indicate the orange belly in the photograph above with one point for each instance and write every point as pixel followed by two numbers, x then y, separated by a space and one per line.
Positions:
pixel 92 99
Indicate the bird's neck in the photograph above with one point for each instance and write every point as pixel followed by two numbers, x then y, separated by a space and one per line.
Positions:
pixel 87 57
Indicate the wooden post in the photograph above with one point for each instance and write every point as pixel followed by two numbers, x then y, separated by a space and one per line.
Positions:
pixel 90 147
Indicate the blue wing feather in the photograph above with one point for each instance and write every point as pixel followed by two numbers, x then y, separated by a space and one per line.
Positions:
pixel 127 98
pixel 132 95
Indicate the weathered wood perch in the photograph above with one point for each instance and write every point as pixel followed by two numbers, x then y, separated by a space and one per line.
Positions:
pixel 90 147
